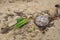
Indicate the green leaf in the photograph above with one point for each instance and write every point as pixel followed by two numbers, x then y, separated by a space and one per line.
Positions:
pixel 21 22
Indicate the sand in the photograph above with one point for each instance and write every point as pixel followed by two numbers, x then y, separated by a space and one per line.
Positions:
pixel 29 31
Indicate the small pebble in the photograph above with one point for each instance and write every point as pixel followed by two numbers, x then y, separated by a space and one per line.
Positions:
pixel 42 20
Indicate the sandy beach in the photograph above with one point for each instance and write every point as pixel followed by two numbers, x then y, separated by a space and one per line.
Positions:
pixel 30 8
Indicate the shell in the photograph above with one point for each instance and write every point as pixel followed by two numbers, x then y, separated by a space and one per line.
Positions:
pixel 42 20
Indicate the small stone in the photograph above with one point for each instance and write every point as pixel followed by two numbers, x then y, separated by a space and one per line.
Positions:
pixel 42 20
